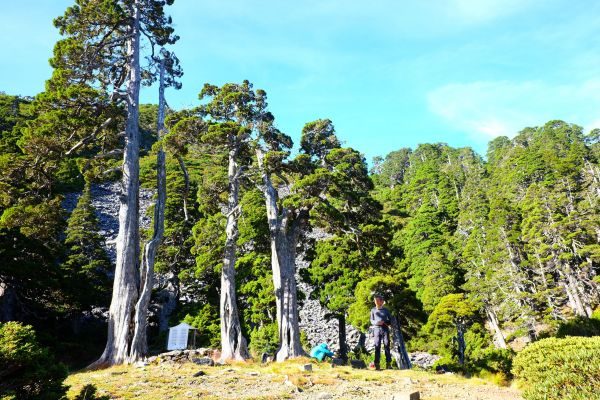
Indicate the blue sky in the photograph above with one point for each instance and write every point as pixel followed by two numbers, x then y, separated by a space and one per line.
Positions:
pixel 388 73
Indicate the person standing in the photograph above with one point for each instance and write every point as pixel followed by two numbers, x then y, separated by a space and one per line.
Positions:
pixel 381 319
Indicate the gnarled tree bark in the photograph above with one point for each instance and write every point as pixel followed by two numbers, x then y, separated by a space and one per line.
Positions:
pixel 493 320
pixel 126 281
pixel 284 237
pixel 139 346
pixel 233 343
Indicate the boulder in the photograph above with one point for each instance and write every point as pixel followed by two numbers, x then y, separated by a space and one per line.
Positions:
pixel 204 361
pixel 406 396
pixel 306 367
pixel 336 362
pixel 171 354
pixel 358 364
pixel 423 360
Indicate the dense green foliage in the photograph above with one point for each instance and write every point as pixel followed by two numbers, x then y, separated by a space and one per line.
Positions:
pixel 500 251
pixel 517 234
pixel 450 225
pixel 86 265
pixel 27 370
pixel 553 369
pixel 579 326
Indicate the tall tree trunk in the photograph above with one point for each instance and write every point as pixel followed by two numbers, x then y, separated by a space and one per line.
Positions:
pixel 186 190
pixel 283 262
pixel 493 320
pixel 570 298
pixel 139 346
pixel 361 345
pixel 126 281
pixel 342 337
pixel 233 343
pixel 572 284
pixel 402 357
pixel 460 342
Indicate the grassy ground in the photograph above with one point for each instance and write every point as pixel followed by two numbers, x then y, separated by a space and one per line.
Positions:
pixel 278 381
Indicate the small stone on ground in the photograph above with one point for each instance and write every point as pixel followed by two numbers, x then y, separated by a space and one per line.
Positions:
pixel 406 396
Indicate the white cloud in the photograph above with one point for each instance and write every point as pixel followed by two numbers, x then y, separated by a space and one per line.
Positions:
pixel 493 108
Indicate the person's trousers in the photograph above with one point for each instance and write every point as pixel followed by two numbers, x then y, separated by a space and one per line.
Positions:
pixel 382 335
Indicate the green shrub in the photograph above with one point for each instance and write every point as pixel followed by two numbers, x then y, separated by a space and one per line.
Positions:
pixel 28 371
pixel 205 317
pixel 494 361
pixel 264 340
pixel 579 326
pixel 447 363
pixel 565 369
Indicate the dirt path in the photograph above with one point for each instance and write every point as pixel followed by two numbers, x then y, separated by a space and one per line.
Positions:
pixel 279 381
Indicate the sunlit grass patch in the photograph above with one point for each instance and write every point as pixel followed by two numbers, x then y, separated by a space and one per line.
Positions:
pixel 250 380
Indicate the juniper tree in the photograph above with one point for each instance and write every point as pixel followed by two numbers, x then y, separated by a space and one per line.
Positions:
pixel 433 180
pixel 339 263
pixel 139 345
pixel 232 113
pixel 553 227
pixel 399 298
pixel 237 109
pixel 325 185
pixel 201 183
pixel 202 145
pixel 102 51
pixel 448 323
pixel 471 236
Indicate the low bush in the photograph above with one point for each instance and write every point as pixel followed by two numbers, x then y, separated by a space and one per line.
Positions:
pixel 264 340
pixel 565 369
pixel 28 371
pixel 204 317
pixel 492 360
pixel 579 326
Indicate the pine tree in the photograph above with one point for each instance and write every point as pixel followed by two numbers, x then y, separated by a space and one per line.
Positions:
pixel 87 266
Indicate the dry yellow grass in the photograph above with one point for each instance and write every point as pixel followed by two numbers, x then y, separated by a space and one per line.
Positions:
pixel 273 381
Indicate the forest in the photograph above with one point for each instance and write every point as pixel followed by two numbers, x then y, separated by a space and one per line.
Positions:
pixel 499 249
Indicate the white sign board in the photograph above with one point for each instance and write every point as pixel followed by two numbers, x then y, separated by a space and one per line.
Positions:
pixel 178 337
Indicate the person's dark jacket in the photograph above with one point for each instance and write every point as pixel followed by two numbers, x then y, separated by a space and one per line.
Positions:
pixel 381 317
